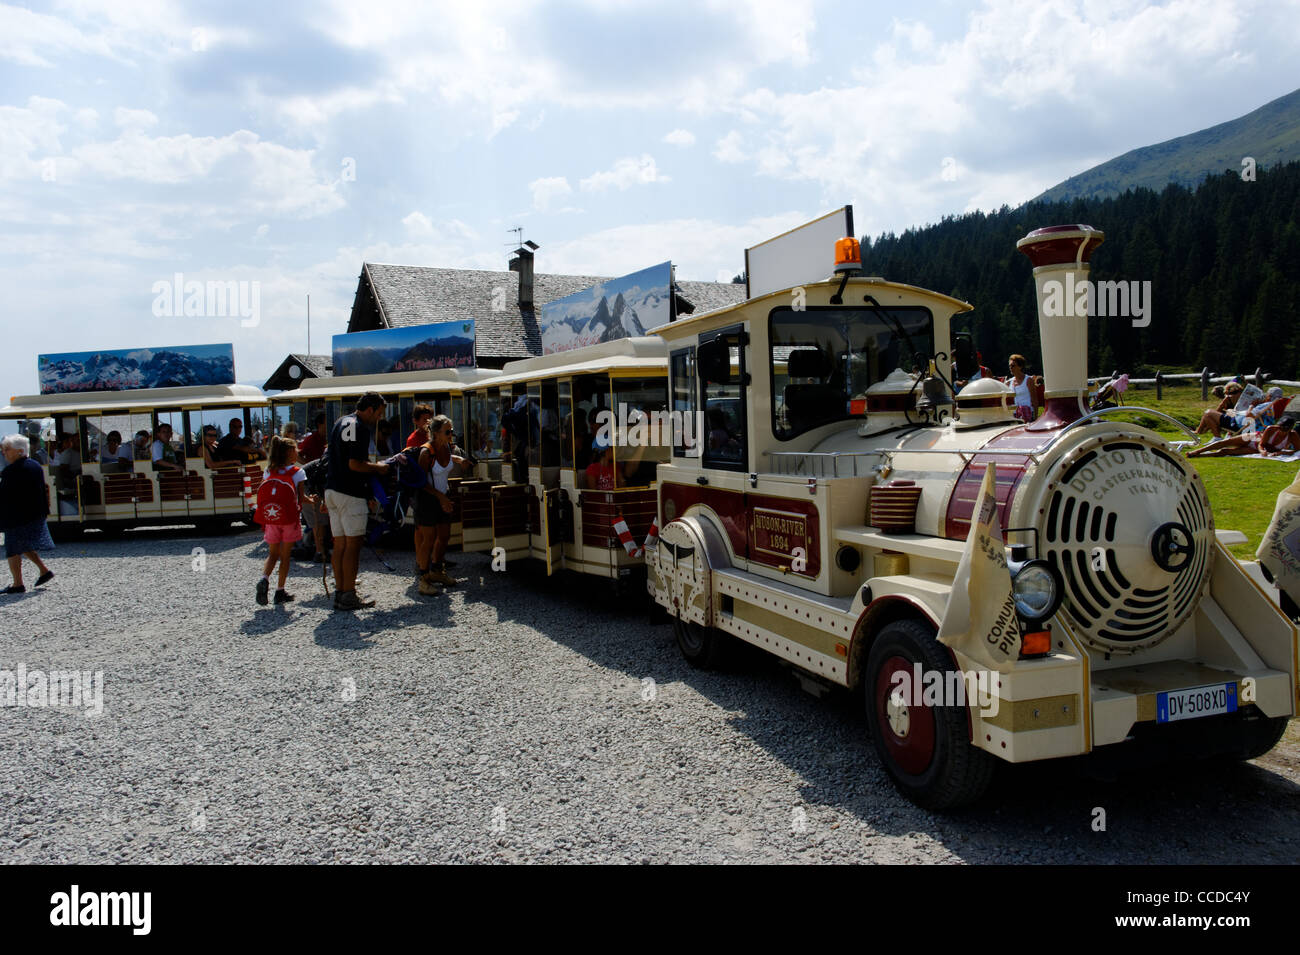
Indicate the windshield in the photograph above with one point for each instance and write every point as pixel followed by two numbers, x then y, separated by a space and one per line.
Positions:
pixel 824 358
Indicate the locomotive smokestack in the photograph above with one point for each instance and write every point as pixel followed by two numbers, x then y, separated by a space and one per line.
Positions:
pixel 1060 254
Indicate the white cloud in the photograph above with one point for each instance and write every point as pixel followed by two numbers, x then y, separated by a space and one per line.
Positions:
pixel 730 148
pixel 680 137
pixel 700 248
pixel 547 190
pixel 625 173
pixel 418 224
pixel 134 118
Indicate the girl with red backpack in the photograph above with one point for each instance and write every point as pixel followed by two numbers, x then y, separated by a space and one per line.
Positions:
pixel 280 500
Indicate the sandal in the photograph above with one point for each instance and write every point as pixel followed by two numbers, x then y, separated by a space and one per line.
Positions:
pixel 14 589
pixel 44 578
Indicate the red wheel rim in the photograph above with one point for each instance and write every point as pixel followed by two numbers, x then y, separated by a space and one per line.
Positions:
pixel 908 734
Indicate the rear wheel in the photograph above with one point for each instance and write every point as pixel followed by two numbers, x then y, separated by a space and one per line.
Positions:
pixel 703 647
pixel 925 749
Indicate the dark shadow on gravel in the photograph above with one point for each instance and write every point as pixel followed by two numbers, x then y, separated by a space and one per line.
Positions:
pixel 267 620
pixel 1199 812
pixel 136 544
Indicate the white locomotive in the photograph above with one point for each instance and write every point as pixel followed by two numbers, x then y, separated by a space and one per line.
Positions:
pixel 825 513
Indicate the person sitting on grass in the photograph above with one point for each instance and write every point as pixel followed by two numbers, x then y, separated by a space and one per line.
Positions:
pixel 1221 417
pixel 1267 410
pixel 1278 439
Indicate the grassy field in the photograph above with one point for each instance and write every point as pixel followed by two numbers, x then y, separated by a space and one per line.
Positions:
pixel 1242 491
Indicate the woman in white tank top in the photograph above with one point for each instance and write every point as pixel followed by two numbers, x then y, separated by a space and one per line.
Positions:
pixel 434 508
pixel 1019 381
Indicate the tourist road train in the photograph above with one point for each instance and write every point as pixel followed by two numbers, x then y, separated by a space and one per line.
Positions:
pixel 812 479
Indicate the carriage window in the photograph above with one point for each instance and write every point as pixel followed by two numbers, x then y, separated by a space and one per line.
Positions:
pixel 35 430
pixel 643 430
pixel 823 359
pixel 549 424
pixel 535 424
pixel 721 368
pixel 169 427
pixel 686 436
pixel 456 412
pixel 141 435
pixel 484 424
pixel 406 418
pixel 565 395
pixel 110 442
pixel 91 437
pixel 591 397
pixel 216 421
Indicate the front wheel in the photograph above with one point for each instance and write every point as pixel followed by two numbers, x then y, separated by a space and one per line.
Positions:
pixel 705 648
pixel 1261 735
pixel 926 749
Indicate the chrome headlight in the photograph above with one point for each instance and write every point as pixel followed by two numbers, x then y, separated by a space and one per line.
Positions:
pixel 1036 588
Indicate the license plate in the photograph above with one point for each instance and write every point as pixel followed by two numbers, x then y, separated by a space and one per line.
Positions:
pixel 1198 701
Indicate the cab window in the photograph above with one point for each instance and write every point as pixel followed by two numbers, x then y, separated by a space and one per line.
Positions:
pixel 823 359
pixel 720 360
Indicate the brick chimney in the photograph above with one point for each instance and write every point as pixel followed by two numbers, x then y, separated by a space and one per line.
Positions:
pixel 523 264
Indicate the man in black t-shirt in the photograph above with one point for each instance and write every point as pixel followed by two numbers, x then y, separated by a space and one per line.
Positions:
pixel 235 448
pixel 347 489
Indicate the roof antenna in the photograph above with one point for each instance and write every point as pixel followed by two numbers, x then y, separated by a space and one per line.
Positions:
pixel 519 243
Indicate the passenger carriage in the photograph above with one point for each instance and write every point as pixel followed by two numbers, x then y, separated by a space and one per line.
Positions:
pixel 440 389
pixel 825 514
pixel 530 496
pixel 129 491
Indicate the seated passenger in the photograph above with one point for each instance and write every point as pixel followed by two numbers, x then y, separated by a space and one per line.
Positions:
pixel 162 454
pixel 212 450
pixel 67 470
pixel 233 447
pixel 114 457
pixel 601 474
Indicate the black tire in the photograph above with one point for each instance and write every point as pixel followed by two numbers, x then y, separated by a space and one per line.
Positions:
pixel 1261 735
pixel 704 648
pixel 932 762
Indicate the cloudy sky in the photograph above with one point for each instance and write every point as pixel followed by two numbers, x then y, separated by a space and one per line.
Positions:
pixel 285 143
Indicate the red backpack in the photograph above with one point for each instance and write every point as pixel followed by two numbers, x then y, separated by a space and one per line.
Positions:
pixel 277 499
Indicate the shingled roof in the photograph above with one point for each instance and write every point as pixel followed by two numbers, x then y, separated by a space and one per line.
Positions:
pixel 393 296
pixel 311 366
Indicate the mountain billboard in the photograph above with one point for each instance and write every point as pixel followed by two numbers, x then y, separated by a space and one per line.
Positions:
pixel 625 307
pixel 128 369
pixel 409 348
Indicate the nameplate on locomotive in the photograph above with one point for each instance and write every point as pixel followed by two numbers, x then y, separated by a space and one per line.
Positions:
pixel 778 533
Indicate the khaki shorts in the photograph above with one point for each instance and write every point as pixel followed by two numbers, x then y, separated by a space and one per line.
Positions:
pixel 347 514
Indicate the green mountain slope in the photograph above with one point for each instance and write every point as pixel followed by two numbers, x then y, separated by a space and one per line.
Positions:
pixel 1270 134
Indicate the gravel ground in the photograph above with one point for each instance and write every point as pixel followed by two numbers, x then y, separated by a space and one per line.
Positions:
pixel 514 720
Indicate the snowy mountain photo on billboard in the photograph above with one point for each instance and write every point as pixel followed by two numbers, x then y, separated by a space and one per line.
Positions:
pixel 625 307
pixel 172 367
pixel 409 348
